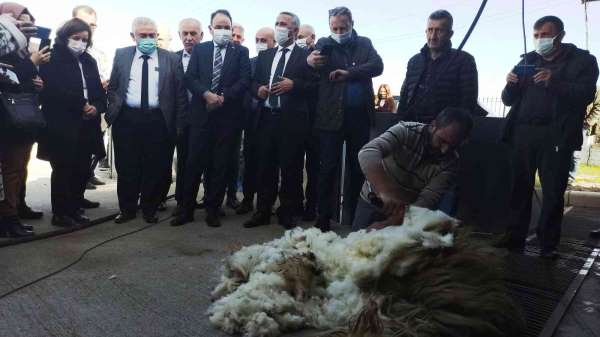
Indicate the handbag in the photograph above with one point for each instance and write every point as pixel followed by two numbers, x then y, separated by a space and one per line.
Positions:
pixel 22 110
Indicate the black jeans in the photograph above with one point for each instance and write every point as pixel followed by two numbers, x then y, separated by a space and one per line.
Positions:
pixel 533 151
pixel 142 155
pixel 355 132
pixel 277 154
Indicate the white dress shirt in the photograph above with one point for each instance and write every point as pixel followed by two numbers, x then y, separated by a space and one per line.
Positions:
pixel 85 90
pixel 185 60
pixel 223 52
pixel 134 90
pixel 274 68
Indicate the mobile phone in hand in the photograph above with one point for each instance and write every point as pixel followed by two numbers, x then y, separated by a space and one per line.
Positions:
pixel 525 70
pixel 43 33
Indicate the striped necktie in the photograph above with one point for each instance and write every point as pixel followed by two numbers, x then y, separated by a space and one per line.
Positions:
pixel 217 67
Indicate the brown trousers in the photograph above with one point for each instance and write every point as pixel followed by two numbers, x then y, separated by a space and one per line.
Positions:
pixel 14 159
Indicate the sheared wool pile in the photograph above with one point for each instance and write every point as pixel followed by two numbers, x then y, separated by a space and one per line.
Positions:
pixel 310 279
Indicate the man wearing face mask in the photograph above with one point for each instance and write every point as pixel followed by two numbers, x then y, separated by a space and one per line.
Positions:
pixel 283 82
pixel 438 76
pixel 265 39
pixel 146 108
pixel 218 76
pixel 306 40
pixel 190 33
pixel 306 37
pixel 548 100
pixel 347 63
pixel 410 164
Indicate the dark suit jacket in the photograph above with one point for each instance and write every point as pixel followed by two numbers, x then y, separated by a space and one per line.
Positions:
pixel 294 104
pixel 186 120
pixel 235 79
pixel 62 104
pixel 171 92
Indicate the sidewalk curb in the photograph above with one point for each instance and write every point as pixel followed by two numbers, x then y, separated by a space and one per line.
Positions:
pixel 582 199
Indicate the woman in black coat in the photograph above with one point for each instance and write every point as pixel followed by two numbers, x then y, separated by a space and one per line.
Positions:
pixel 72 101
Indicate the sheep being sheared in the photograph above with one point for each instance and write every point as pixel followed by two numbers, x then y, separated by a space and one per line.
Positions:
pixel 310 279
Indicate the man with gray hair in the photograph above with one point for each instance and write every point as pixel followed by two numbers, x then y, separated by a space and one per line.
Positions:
pixel 347 63
pixel 283 82
pixel 237 33
pixel 306 37
pixel 190 33
pixel 146 107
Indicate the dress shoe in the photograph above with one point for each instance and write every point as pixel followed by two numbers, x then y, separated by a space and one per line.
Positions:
pixel 162 206
pixel 95 181
pixel 81 219
pixel 25 212
pixel 212 219
pixel 64 221
pixel 258 219
pixel 595 234
pixel 232 202
pixel 87 204
pixel 245 207
pixel 27 227
pixel 90 186
pixel 182 218
pixel 11 227
pixel 323 225
pixel 309 214
pixel 124 217
pixel 287 221
pixel 150 218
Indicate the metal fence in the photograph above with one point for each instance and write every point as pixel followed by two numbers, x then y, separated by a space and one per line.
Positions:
pixel 494 106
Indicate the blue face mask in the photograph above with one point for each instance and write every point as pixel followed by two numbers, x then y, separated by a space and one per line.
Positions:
pixel 146 46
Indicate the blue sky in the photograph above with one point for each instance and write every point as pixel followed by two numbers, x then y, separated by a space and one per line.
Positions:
pixel 397 28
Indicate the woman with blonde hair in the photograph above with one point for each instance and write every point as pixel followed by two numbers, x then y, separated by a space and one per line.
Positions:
pixel 384 100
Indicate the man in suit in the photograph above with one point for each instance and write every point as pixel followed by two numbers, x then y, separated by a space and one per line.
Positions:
pixel 218 77
pixel 307 40
pixel 284 82
pixel 146 107
pixel 190 33
pixel 265 39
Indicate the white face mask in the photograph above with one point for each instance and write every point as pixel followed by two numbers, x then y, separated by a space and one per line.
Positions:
pixel 221 36
pixel 282 35
pixel 544 46
pixel 342 38
pixel 302 43
pixel 77 47
pixel 261 46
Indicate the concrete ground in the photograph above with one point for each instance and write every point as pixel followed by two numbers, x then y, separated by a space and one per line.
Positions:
pixel 152 283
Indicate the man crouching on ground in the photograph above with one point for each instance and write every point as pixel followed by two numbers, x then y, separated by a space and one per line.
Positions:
pixel 409 164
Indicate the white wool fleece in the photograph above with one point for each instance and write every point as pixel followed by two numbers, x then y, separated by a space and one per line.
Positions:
pixel 252 297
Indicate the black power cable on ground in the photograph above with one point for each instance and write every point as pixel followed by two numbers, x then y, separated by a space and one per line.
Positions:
pixel 80 258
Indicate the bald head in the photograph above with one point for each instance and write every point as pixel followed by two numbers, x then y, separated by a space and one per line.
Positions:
pixel 307 32
pixel 266 36
pixel 190 33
